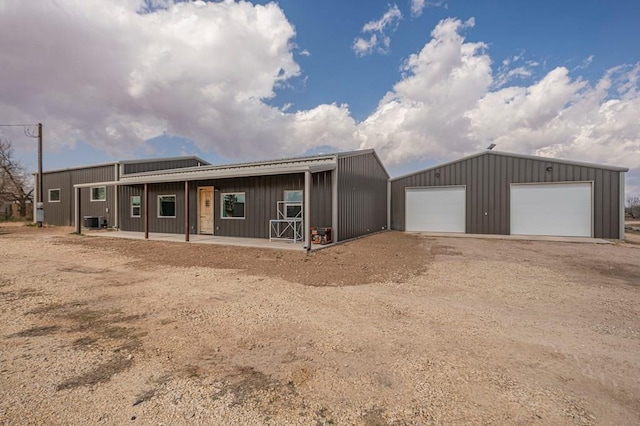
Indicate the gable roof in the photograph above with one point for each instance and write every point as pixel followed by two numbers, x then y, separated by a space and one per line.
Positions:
pixel 524 156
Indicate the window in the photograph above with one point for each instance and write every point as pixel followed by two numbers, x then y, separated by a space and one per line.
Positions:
pixel 293 204
pixel 135 206
pixel 99 193
pixel 166 206
pixel 54 195
pixel 233 205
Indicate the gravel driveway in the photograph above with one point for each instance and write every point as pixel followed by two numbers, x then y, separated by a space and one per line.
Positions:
pixel 389 329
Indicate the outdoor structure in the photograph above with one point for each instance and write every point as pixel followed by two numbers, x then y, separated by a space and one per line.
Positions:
pixel 501 193
pixel 97 200
pixel 280 199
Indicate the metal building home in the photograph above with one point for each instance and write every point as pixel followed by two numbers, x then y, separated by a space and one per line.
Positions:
pixel 281 199
pixel 98 200
pixel 501 193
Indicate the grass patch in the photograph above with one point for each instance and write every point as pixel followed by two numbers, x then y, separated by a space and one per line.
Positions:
pixel 36 331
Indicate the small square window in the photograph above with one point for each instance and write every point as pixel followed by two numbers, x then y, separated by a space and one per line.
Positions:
pixel 233 205
pixel 99 193
pixel 166 206
pixel 135 206
pixel 54 195
pixel 293 204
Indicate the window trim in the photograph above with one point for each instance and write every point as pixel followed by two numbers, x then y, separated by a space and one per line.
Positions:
pixel 132 206
pixel 59 195
pixel 222 216
pixel 293 203
pixel 91 194
pixel 175 201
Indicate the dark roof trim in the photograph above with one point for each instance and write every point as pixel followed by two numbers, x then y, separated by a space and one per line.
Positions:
pixel 524 156
pixel 114 163
pixel 153 160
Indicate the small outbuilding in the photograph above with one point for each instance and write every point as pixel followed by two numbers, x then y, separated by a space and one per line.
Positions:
pixel 502 193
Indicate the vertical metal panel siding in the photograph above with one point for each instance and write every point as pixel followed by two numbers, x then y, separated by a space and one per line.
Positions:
pixel 58 213
pixel 321 199
pixel 488 179
pixel 61 213
pixel 261 196
pixel 128 223
pixel 362 196
pixel 150 166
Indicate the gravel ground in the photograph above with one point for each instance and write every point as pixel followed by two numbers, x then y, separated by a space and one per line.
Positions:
pixel 389 329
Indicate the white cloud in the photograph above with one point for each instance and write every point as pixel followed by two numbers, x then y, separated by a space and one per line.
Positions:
pixel 105 73
pixel 102 72
pixel 378 40
pixel 449 103
pixel 418 6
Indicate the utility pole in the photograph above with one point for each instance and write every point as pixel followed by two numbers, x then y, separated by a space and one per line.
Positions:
pixel 40 180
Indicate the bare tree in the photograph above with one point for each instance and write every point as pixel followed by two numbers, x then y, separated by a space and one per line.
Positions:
pixel 15 183
pixel 633 207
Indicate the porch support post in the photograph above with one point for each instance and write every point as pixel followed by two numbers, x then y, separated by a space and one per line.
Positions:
pixel 186 211
pixel 78 213
pixel 146 211
pixel 307 210
pixel 334 205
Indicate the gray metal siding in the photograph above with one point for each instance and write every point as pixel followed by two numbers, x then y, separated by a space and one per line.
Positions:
pixel 128 223
pixel 488 179
pixel 150 166
pixel 261 196
pixel 61 213
pixel 321 199
pixel 362 195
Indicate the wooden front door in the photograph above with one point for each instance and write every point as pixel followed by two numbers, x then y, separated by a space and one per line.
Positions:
pixel 205 210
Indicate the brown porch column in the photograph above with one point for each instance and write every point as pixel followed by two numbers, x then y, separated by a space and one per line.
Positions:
pixel 186 211
pixel 146 212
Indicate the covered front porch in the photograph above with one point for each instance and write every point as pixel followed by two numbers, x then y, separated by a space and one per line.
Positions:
pixel 205 239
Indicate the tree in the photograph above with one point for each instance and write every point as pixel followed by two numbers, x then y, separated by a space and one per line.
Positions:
pixel 633 207
pixel 15 183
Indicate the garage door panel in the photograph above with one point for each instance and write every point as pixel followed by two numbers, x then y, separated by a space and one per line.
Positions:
pixel 559 209
pixel 439 209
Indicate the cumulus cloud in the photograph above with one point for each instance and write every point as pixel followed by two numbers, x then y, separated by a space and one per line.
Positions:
pixel 450 103
pixel 375 33
pixel 417 6
pixel 116 73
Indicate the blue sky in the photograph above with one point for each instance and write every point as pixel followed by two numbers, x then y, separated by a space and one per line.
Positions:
pixel 429 81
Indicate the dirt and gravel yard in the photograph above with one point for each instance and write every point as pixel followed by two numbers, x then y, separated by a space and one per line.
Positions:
pixel 390 329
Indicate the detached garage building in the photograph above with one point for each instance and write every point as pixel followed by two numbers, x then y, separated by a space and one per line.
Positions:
pixel 502 193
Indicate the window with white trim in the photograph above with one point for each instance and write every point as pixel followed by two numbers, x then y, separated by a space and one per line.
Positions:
pixel 99 193
pixel 54 195
pixel 293 204
pixel 135 206
pixel 232 205
pixel 166 206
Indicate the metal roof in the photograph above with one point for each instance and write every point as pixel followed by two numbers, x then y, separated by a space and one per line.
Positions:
pixel 278 167
pixel 509 154
pixel 114 163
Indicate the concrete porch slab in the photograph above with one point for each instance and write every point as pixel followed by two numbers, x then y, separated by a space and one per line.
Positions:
pixel 205 239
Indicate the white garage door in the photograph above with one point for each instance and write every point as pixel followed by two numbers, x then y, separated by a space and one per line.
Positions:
pixel 562 209
pixel 438 209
